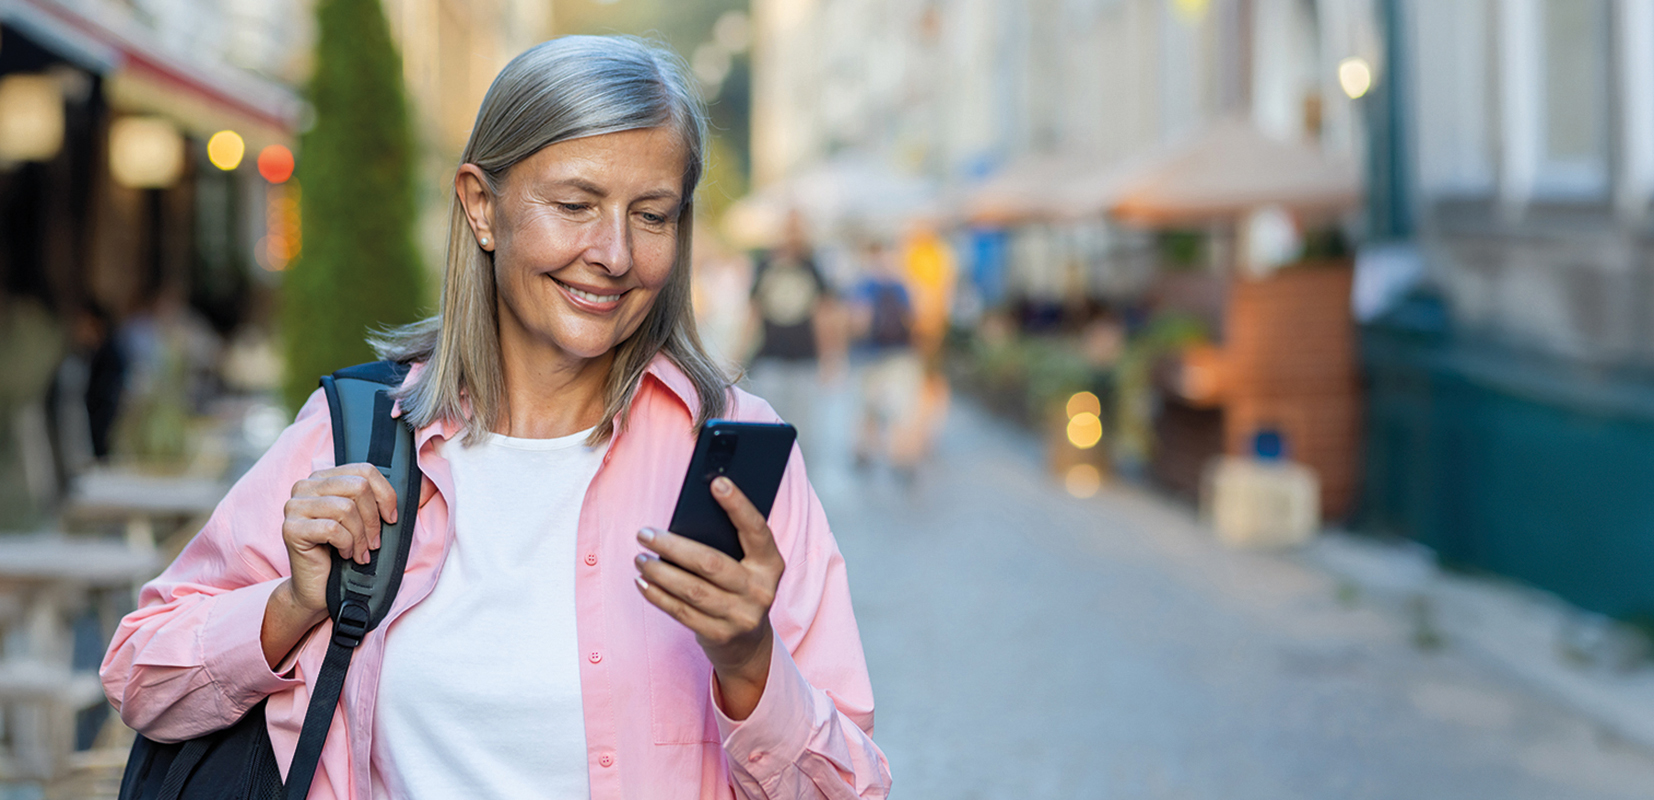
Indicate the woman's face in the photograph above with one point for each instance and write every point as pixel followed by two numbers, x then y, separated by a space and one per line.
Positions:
pixel 584 235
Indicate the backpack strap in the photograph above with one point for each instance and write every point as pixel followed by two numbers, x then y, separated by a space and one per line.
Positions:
pixel 359 595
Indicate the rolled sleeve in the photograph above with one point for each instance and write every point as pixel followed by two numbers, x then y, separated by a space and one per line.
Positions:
pixel 780 725
pixel 232 651
pixel 797 744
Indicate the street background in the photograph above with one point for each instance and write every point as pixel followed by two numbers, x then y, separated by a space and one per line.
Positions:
pixel 1212 398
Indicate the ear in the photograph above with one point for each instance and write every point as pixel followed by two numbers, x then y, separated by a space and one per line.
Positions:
pixel 471 188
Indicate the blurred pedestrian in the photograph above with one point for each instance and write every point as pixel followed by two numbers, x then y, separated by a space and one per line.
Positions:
pixel 931 274
pixel 31 346
pixel 797 323
pixel 722 281
pixel 86 392
pixel 545 641
pixel 881 321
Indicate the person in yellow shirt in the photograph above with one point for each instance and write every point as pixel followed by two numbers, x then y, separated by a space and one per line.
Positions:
pixel 931 273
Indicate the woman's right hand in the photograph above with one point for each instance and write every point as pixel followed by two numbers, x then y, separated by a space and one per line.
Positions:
pixel 333 509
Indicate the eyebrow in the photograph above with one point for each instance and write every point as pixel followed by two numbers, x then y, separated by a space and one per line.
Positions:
pixel 591 188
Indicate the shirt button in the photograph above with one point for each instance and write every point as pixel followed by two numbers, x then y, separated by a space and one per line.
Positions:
pixel 606 760
pixel 591 559
pixel 595 657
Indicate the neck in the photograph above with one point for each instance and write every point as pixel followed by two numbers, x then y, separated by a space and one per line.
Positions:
pixel 548 397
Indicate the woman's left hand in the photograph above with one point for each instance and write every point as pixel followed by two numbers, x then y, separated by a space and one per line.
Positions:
pixel 724 601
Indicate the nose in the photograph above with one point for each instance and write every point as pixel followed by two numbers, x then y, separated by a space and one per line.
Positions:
pixel 610 246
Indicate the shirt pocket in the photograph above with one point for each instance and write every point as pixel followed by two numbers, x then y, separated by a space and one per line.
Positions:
pixel 680 681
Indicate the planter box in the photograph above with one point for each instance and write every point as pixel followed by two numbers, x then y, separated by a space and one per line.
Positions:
pixel 1288 363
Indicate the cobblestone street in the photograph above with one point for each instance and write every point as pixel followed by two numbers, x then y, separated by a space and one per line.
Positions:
pixel 1026 644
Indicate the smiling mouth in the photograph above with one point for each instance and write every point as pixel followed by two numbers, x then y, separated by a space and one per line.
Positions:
pixel 599 299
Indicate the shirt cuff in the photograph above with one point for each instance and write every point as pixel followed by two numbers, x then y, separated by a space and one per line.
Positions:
pixel 778 729
pixel 232 650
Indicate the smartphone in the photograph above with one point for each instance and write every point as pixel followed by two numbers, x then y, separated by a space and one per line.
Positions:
pixel 753 455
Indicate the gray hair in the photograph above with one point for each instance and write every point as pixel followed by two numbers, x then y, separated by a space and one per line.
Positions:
pixel 566 88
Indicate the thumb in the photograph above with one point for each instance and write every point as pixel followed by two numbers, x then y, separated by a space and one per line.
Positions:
pixel 756 539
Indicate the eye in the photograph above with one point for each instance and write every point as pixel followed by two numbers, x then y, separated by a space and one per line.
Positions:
pixel 573 208
pixel 654 219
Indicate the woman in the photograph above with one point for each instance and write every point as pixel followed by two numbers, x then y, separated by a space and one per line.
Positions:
pixel 539 646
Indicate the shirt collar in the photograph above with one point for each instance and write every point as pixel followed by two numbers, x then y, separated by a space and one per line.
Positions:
pixel 678 384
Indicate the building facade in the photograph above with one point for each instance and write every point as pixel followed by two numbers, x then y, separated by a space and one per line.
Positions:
pixel 1513 396
pixel 954 89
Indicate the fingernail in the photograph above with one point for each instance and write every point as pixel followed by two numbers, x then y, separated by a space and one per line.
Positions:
pixel 641 583
pixel 642 558
pixel 646 535
pixel 721 486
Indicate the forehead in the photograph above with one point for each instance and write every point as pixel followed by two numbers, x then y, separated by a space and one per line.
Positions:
pixel 646 159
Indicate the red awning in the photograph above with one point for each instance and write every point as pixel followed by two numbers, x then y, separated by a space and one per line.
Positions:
pixel 129 54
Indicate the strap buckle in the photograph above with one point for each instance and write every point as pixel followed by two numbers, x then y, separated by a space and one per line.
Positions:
pixel 351 625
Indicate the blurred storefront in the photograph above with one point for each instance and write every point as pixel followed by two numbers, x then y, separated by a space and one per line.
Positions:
pixel 1510 338
pixel 133 255
pixel 120 227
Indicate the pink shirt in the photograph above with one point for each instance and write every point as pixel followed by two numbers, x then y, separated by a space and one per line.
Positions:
pixel 189 660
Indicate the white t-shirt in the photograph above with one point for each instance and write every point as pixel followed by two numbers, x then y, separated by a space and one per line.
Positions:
pixel 480 693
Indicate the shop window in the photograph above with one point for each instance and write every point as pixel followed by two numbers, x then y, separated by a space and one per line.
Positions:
pixel 1573 123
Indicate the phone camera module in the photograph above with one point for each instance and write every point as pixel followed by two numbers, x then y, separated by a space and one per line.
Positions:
pixel 723 446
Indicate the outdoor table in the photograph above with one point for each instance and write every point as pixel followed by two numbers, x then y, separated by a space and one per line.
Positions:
pixel 44 580
pixel 140 500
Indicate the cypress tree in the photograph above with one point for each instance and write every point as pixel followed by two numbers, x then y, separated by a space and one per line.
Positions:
pixel 358 267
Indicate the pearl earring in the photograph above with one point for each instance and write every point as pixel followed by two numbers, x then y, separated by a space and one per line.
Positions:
pixel 485 241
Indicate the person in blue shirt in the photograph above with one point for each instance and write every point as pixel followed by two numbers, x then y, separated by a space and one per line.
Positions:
pixel 881 321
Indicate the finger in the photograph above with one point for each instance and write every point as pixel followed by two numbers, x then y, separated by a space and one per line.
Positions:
pixel 321 482
pixel 384 496
pixel 708 562
pixel 691 617
pixel 368 511
pixel 310 533
pixel 364 484
pixel 705 596
pixel 756 539
pixel 354 487
pixel 338 510
pixel 348 510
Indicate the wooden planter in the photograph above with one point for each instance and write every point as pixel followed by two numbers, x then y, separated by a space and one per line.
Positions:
pixel 1289 363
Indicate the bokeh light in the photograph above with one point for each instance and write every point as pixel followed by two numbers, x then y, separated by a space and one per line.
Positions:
pixel 1083 480
pixel 1085 430
pixel 145 152
pixel 275 163
pixel 1191 11
pixel 225 150
pixel 31 118
pixel 1356 76
pixel 1084 403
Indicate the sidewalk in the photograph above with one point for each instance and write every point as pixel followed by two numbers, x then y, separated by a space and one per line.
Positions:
pixel 1576 658
pixel 1112 647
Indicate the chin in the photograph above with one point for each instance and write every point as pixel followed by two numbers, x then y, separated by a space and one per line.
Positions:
pixel 587 347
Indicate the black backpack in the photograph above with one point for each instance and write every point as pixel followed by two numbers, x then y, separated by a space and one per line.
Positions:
pixel 238 762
